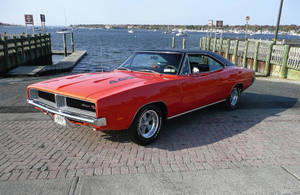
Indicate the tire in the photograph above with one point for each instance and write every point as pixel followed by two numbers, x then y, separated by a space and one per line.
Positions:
pixel 233 101
pixel 146 125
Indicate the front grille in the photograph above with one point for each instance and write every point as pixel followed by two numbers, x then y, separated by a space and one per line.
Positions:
pixel 82 105
pixel 63 103
pixel 47 96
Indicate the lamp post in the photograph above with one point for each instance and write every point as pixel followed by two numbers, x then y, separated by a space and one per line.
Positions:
pixel 278 21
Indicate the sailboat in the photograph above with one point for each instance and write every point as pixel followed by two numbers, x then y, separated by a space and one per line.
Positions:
pixel 66 29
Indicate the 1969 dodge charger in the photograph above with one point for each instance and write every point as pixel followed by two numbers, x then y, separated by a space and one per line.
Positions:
pixel 148 88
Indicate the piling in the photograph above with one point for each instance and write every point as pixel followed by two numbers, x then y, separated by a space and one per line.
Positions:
pixel 5 50
pixel 173 42
pixel 283 72
pixel 200 43
pixel 268 60
pixel 208 45
pixel 227 49
pixel 236 45
pixel 255 56
pixel 65 44
pixel 245 54
pixel 183 43
pixel 215 43
pixel 72 42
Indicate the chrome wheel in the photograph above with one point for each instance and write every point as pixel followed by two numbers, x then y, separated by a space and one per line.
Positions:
pixel 148 124
pixel 234 97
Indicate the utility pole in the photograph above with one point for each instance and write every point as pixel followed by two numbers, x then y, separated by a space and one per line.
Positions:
pixel 278 21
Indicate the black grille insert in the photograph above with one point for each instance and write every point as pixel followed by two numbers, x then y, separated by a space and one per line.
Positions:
pixel 83 105
pixel 47 96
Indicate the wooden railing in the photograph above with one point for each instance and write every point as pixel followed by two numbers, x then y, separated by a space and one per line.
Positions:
pixel 24 49
pixel 262 56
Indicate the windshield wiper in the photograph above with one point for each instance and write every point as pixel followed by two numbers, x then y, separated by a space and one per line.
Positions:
pixel 123 68
pixel 147 70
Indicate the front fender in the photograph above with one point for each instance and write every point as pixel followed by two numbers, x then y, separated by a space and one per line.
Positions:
pixel 121 108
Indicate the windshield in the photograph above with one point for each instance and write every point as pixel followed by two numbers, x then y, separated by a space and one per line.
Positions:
pixel 162 63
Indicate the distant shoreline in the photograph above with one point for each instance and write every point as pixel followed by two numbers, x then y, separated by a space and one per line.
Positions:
pixel 5 24
pixel 252 29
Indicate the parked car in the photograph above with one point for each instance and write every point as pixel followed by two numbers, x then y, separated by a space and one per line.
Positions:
pixel 148 88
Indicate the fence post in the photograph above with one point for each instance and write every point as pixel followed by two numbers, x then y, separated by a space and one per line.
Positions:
pixel 283 72
pixel 35 45
pixel 49 47
pixel 208 45
pixel 268 60
pixel 183 43
pixel 236 45
pixel 200 43
pixel 49 44
pixel 22 47
pixel 65 44
pixel 245 54
pixel 5 50
pixel 215 44
pixel 173 42
pixel 14 38
pixel 227 49
pixel 72 42
pixel 204 43
pixel 221 45
pixel 255 56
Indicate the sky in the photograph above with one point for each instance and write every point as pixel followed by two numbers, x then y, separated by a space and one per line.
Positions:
pixel 183 12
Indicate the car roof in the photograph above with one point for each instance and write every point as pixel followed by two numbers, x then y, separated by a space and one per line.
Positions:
pixel 178 51
pixel 184 51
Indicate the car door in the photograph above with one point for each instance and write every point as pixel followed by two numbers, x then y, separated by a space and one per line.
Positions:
pixel 197 83
pixel 220 76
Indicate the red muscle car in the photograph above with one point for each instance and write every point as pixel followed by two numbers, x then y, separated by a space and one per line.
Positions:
pixel 148 88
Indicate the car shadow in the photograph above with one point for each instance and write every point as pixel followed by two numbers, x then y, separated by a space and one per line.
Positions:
pixel 213 124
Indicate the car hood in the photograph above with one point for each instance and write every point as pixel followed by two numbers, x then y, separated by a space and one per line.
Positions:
pixel 96 85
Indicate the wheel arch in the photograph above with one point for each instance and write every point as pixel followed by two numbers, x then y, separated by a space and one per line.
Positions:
pixel 239 85
pixel 160 104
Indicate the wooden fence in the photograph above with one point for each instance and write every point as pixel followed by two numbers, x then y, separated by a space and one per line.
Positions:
pixel 24 49
pixel 262 56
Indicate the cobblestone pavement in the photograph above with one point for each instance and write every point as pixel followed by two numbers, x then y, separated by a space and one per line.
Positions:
pixel 207 139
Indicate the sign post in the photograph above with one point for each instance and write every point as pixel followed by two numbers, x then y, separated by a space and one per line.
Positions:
pixel 43 20
pixel 219 25
pixel 29 20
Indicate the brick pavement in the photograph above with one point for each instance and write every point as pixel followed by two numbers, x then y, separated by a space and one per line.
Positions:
pixel 40 149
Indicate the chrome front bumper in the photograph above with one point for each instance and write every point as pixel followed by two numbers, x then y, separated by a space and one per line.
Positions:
pixel 72 116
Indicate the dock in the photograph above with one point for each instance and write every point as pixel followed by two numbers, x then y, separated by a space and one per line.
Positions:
pixel 264 57
pixel 64 65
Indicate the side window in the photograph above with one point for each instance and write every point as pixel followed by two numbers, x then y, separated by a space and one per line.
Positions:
pixel 186 67
pixel 198 63
pixel 213 64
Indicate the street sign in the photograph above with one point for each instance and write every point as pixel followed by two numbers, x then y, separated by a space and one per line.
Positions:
pixel 28 19
pixel 219 23
pixel 43 18
pixel 210 23
pixel 247 18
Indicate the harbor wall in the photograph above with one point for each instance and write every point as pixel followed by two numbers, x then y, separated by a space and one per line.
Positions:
pixel 24 49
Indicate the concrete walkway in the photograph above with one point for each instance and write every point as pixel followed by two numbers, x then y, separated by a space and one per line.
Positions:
pixel 271 180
